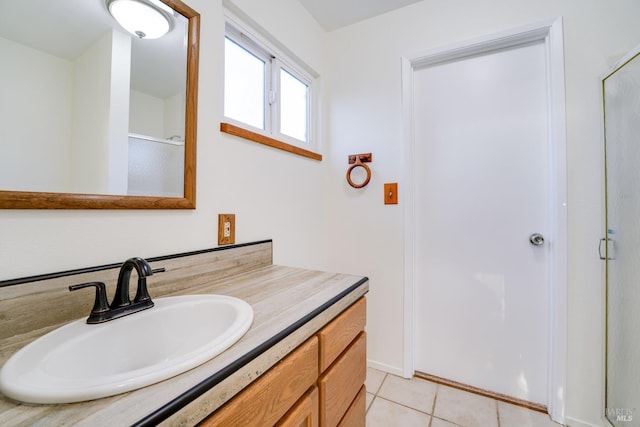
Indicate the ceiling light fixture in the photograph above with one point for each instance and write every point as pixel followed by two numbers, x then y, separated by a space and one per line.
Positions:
pixel 142 18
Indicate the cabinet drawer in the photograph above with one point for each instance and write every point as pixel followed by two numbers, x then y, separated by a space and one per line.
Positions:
pixel 338 334
pixel 268 398
pixel 340 384
pixel 356 414
pixel 304 413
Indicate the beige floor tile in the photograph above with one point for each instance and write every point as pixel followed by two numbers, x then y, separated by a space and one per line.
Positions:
pixel 369 398
pixel 374 380
pixel 437 422
pixel 387 414
pixel 516 416
pixel 414 393
pixel 395 401
pixel 466 409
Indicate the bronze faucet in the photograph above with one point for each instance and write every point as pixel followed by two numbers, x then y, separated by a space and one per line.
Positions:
pixel 121 304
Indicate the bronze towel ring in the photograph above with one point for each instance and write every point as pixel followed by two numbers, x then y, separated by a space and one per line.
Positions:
pixel 356 160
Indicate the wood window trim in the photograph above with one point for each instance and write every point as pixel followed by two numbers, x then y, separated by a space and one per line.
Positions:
pixel 265 140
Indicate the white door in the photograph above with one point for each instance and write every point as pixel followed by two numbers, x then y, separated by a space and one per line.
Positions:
pixel 482 185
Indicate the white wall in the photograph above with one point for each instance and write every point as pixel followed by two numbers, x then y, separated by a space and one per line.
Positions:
pixel 152 116
pixel 101 116
pixel 273 194
pixel 120 74
pixel 146 115
pixel 279 195
pixel 34 87
pixel 174 109
pixel 364 116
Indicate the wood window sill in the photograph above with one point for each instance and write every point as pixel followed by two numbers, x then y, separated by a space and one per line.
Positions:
pixel 261 139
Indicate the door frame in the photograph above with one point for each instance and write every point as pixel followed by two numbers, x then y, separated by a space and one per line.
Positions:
pixel 551 33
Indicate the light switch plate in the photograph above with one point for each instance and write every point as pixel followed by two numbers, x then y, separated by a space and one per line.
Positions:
pixel 226 229
pixel 391 193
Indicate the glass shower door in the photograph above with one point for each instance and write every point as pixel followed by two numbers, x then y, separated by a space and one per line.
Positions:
pixel 621 248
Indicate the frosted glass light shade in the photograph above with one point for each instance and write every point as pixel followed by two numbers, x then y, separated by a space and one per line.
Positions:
pixel 140 18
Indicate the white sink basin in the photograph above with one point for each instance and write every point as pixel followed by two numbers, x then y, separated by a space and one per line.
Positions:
pixel 78 362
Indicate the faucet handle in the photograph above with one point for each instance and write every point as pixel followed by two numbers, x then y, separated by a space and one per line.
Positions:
pixel 100 305
pixel 142 293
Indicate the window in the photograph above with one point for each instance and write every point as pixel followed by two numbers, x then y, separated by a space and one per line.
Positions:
pixel 294 106
pixel 265 92
pixel 244 85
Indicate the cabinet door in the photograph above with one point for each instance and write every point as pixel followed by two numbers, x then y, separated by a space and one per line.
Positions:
pixel 356 414
pixel 304 413
pixel 338 334
pixel 340 384
pixel 268 398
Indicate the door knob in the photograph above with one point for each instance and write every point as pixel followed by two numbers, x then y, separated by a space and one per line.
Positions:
pixel 536 239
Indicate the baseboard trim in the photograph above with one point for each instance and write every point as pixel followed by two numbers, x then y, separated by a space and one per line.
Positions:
pixel 575 422
pixel 482 392
pixel 385 368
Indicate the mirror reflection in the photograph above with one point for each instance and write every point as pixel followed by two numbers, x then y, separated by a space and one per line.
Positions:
pixel 87 107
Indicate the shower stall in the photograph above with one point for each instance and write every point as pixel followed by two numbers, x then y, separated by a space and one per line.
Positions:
pixel 156 166
pixel 620 248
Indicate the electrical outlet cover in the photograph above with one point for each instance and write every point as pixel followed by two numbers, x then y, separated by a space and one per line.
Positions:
pixel 226 229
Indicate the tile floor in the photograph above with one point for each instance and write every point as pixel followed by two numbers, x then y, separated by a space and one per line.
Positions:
pixel 395 401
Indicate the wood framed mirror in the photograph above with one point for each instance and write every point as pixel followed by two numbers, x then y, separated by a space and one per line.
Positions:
pixel 25 114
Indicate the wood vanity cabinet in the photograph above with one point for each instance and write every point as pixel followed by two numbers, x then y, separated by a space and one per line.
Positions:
pixel 320 383
pixel 343 364
pixel 304 413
